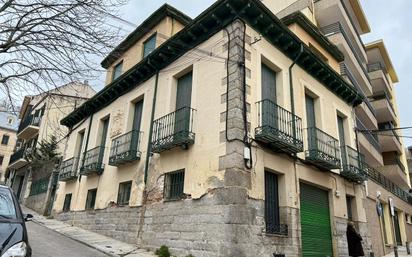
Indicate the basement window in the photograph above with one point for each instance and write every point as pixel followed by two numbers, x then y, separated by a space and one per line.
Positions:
pixel 67 202
pixel 91 199
pixel 174 182
pixel 123 196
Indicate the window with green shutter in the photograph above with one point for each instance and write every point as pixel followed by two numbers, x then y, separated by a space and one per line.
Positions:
pixel 91 199
pixel 123 195
pixel 174 183
pixel 67 202
pixel 149 45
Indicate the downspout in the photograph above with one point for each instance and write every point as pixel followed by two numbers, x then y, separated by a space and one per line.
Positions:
pixel 292 98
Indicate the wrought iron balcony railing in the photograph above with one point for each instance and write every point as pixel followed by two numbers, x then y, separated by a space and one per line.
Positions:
pixel 352 165
pixel 386 183
pixel 93 161
pixel 279 128
pixel 323 149
pixel 17 155
pixel 125 148
pixel 68 169
pixel 29 121
pixel 174 129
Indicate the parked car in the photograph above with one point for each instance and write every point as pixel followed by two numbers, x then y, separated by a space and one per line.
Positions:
pixel 13 234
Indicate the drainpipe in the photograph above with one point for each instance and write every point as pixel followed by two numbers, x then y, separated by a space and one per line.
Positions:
pixel 292 99
pixel 149 145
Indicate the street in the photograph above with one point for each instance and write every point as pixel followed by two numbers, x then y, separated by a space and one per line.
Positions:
pixel 48 243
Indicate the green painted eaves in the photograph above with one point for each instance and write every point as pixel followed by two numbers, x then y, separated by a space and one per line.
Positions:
pixel 312 30
pixel 214 19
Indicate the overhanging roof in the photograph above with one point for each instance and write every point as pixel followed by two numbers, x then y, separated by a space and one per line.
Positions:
pixel 299 18
pixel 380 45
pixel 212 20
pixel 164 11
pixel 360 15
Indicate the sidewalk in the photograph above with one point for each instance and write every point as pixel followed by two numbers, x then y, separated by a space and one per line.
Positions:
pixel 104 244
pixel 401 253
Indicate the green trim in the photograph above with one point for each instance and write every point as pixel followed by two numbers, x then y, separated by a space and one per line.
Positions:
pixel 211 21
pixel 314 32
pixel 146 26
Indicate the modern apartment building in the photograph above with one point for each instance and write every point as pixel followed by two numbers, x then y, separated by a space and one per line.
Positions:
pixel 8 130
pixel 40 117
pixel 233 134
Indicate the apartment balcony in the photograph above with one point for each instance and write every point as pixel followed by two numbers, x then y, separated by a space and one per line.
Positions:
pixel 29 127
pixel 384 108
pixel 352 165
pixel 93 162
pixel 68 169
pixel 125 148
pixel 389 139
pixel 173 130
pixel 379 79
pixel 323 149
pixel 395 171
pixel 382 180
pixel 278 128
pixel 355 59
pixel 369 144
pixel 18 158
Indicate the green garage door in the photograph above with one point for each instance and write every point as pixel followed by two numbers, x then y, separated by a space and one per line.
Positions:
pixel 315 222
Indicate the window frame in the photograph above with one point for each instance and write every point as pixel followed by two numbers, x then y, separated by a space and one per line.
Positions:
pixel 66 203
pixel 88 205
pixel 277 222
pixel 168 177
pixel 7 137
pixel 119 64
pixel 153 36
pixel 121 199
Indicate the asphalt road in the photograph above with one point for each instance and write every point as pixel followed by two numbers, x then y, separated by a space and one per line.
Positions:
pixel 47 243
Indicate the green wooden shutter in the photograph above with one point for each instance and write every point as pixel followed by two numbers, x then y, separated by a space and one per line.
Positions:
pixel 271 203
pixel 342 143
pixel 311 122
pixel 183 101
pixel 269 110
pixel 137 118
pixel 315 222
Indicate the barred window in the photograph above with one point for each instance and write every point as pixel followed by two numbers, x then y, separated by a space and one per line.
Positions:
pixel 67 202
pixel 91 199
pixel 123 196
pixel 174 182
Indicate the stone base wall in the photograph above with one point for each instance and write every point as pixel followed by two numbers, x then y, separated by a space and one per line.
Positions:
pixel 117 222
pixel 37 203
pixel 374 228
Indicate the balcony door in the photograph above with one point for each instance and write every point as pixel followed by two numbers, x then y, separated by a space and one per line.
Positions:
pixel 183 103
pixel 311 122
pixel 137 120
pixel 269 108
pixel 341 130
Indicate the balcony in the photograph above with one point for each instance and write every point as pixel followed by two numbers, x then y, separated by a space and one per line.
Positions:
pixel 386 183
pixel 394 169
pixel 369 145
pixel 352 165
pixel 384 108
pixel 279 128
pixel 29 127
pixel 125 148
pixel 68 169
pixel 388 138
pixel 93 162
pixel 18 159
pixel 173 130
pixel 323 149
pixel 379 79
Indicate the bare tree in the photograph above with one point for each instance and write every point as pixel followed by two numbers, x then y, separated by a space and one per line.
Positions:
pixel 46 43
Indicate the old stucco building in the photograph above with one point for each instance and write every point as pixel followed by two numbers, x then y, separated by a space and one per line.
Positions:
pixel 233 134
pixel 9 123
pixel 40 121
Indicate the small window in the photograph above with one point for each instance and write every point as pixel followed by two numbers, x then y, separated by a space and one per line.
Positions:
pixel 67 202
pixel 117 70
pixel 123 196
pixel 174 182
pixel 349 201
pixel 10 120
pixel 149 45
pixel 272 217
pixel 91 199
pixel 5 140
pixel 1 159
